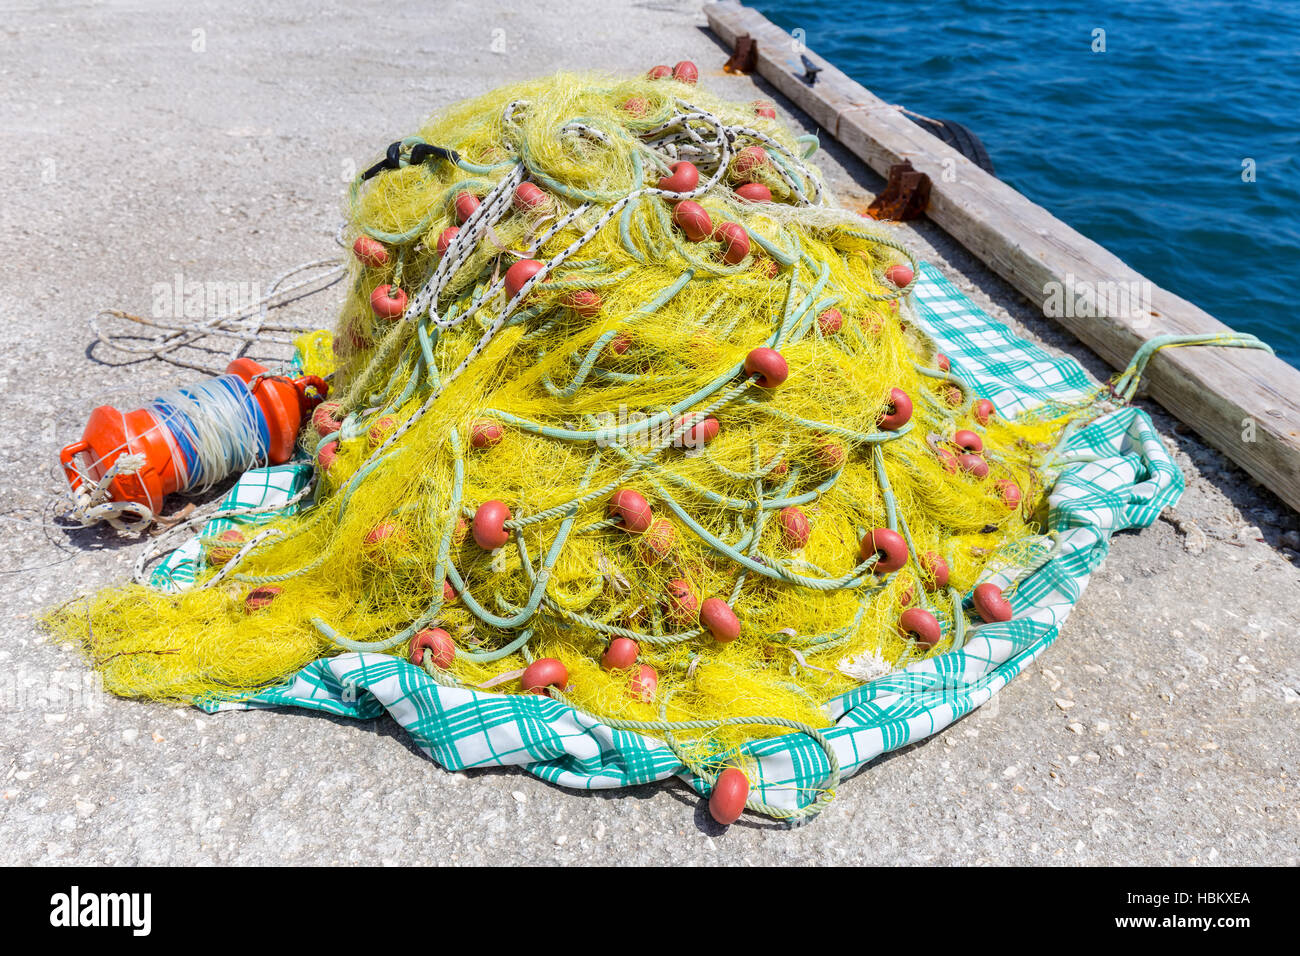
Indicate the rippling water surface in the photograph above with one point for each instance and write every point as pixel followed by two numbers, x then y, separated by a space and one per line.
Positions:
pixel 1140 147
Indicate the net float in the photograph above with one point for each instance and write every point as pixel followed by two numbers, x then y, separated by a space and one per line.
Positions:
pixel 448 592
pixel 644 684
pixel 622 652
pixel 660 72
pixel 697 435
pixel 388 301
pixel 620 344
pixel 686 72
pixel 445 239
pixel 327 454
pixel 830 454
pixel 990 604
pixel 585 302
pixel 729 796
pixel 889 547
pixel 898 412
pixel 223 549
pixel 753 192
pixel 779 470
pixel 734 242
pixel 636 106
pixel 380 430
pixel 921 625
pixel 520 274
pixel 900 275
pixel 967 439
pixel 680 603
pixel 381 535
pixel 952 396
pixel 935 570
pixel 795 529
pixel 941 361
pixel 683 178
pixel 460 532
pixel 632 510
pixel 441 648
pixel 543 674
pixel 693 220
pixel 973 465
pixel 259 599
pixel 717 617
pixel 830 321
pixel 466 205
pixel 906 596
pixel 1010 493
pixel 983 410
pixel 767 267
pixel 764 109
pixel 485 433
pixel 325 418
pixel 769 365
pixel 528 197
pixel 195 436
pixel 749 159
pixel 657 540
pixel 370 252
pixel 489 525
pixel 948 460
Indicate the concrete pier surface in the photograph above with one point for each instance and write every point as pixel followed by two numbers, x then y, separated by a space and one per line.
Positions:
pixel 145 140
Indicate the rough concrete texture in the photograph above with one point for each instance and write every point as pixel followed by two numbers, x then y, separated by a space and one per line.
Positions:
pixel 1161 729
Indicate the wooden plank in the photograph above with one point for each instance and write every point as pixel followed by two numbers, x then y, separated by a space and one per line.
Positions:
pixel 1244 402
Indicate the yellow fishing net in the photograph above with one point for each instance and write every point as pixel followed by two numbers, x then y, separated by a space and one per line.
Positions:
pixel 608 368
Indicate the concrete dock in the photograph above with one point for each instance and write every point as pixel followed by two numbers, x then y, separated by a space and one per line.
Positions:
pixel 142 141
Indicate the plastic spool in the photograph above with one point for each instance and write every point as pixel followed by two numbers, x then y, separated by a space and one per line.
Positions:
pixel 192 438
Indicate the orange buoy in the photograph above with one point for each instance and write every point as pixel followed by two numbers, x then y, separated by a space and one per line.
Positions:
pixel 941 361
pixel 632 510
pixel 898 412
pixel 918 623
pixel 323 418
pixel 990 604
pixel 466 205
pixel 327 454
pixel 660 72
pixel 489 525
pixel 519 274
pixel 380 430
pixel 680 604
pixel 973 465
pixel 753 192
pixel 769 365
pixel 899 274
pixel 830 321
pixel 683 178
pixel 637 106
pixel 952 396
pixel 657 541
pixel 445 238
pixel 370 252
pixel 644 684
pixel 620 344
pixel 485 433
pixel 380 534
pixel 622 652
pixel 448 592
pixel 697 435
pixel 734 242
pixel 691 218
pixel 830 454
pixel 165 436
pixel 260 598
pixel 585 302
pixel 543 674
pixel 686 72
pixel 968 440
pixel 717 617
pixel 889 546
pixel 729 796
pixel 983 410
pixel 748 160
pixel 441 648
pixel 935 567
pixel 528 197
pixel 1009 491
pixel 460 532
pixel 795 529
pixel 948 460
pixel 764 109
pixel 388 301
pixel 225 547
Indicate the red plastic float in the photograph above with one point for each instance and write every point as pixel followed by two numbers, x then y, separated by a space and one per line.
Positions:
pixel 660 72
pixel 681 604
pixel 898 412
pixel 699 434
pixel 657 541
pixel 388 302
pixel 983 410
pixel 259 599
pixel 637 106
pixel 729 796
pixel 749 159
pixel 445 238
pixel 990 604
pixel 380 430
pixel 890 546
pixel 1010 493
pixel 795 529
pixel 973 465
pixel 968 440
pixel 948 460
pixel 920 624
pixel 370 252
pixel 644 684
pixel 830 454
pixel 686 72
pixel 543 674
pixel 632 510
pixel 754 192
pixel 448 592
pixel 585 302
pixel 717 617
pixel 692 219
pixel 769 365
pixel 899 274
pixel 465 205
pixel 519 274
pixel 489 525
pixel 225 547
pixel 438 643
pixel 936 571
pixel 529 197
pixel 323 418
pixel 764 109
pixel 683 178
pixel 484 433
pixel 830 321
pixel 622 652
pixel 734 242
pixel 942 362
pixel 327 454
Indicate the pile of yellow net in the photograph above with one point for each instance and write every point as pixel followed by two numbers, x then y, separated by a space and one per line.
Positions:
pixel 610 370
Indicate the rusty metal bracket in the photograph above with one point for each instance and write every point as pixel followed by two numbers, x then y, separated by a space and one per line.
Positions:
pixel 744 58
pixel 906 195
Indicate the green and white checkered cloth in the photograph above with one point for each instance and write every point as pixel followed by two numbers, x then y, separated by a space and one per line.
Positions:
pixel 1122 479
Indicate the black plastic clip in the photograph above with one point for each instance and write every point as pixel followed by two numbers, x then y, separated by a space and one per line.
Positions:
pixel 420 152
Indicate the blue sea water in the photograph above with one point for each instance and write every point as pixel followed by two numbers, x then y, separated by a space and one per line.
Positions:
pixel 1140 147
